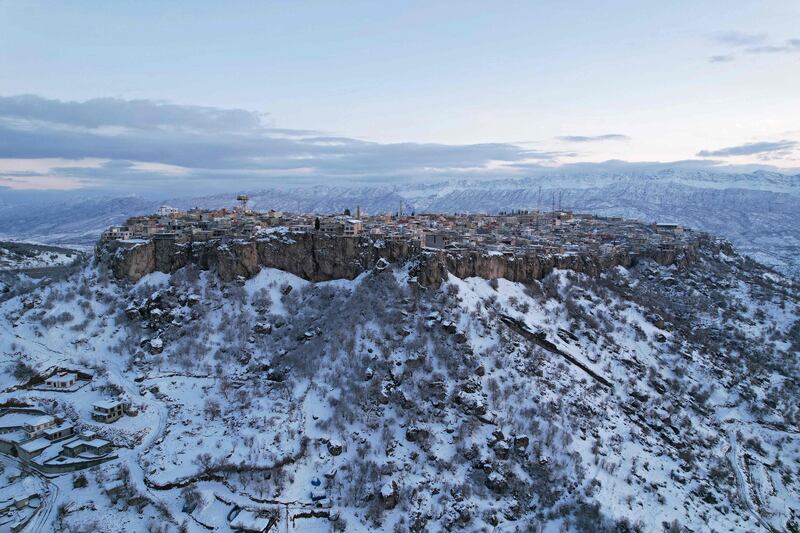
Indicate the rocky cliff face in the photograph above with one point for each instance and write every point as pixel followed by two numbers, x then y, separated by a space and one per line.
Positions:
pixel 311 256
pixel 321 258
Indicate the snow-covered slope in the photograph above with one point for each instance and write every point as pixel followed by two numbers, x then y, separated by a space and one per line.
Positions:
pixel 651 398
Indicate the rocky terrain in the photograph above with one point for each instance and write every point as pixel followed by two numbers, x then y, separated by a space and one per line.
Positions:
pixel 640 396
pixel 318 257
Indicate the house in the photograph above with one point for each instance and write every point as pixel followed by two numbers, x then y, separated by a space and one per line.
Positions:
pixel 62 380
pixel 107 411
pixel 36 425
pixel 331 227
pixel 62 431
pixel 438 240
pixel 87 444
pixel 117 233
pixel 32 448
pixel 353 227
pixel 15 497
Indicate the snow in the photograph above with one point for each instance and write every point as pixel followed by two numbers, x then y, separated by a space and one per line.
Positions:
pixel 369 372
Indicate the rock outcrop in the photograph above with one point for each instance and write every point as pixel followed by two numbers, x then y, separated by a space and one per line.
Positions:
pixel 318 257
pixel 311 256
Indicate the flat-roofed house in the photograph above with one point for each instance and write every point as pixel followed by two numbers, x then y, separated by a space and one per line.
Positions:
pixel 35 426
pixel 438 240
pixel 86 445
pixel 61 431
pixel 62 380
pixel 31 449
pixel 107 411
pixel 352 227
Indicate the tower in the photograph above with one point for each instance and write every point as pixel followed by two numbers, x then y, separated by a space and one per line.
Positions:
pixel 243 199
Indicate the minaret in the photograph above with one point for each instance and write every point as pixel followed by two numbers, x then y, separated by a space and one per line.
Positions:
pixel 358 212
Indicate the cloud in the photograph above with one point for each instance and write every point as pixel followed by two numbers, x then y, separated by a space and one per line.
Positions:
pixel 767 49
pixel 751 44
pixel 134 114
pixel 593 138
pixel 738 38
pixel 148 137
pixel 782 147
pixel 791 45
pixel 721 59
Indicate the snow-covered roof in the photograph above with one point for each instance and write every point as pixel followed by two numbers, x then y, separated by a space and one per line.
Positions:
pixel 40 420
pixel 36 445
pixel 249 521
pixel 97 443
pixel 107 404
pixel 58 428
pixel 62 376
pixel 15 420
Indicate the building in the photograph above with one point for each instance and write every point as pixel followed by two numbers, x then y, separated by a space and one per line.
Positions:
pixel 62 380
pixel 117 233
pixel 438 240
pixel 36 426
pixel 61 431
pixel 107 411
pixel 31 449
pixel 87 444
pixel 353 227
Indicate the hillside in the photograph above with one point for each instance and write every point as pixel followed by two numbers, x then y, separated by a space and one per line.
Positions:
pixel 653 397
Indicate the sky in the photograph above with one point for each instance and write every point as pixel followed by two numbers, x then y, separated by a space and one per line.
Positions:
pixel 122 94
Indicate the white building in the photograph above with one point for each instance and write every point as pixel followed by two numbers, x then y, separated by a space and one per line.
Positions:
pixel 62 380
pixel 36 426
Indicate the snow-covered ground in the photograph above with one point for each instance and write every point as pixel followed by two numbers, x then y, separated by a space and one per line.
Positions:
pixel 25 256
pixel 650 398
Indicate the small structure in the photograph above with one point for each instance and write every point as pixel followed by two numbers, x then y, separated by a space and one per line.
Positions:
pixel 250 521
pixel 62 380
pixel 107 411
pixel 35 426
pixel 88 443
pixel 438 240
pixel 62 431
pixel 32 448
pixel 353 227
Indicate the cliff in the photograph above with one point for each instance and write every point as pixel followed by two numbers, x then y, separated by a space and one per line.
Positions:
pixel 318 257
pixel 314 257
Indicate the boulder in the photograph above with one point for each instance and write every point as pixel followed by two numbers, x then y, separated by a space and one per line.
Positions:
pixel 335 447
pixel 156 346
pixel 262 328
pixel 496 482
pixel 389 495
pixel 521 442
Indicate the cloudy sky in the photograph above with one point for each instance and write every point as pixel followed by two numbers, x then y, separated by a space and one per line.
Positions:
pixel 120 94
